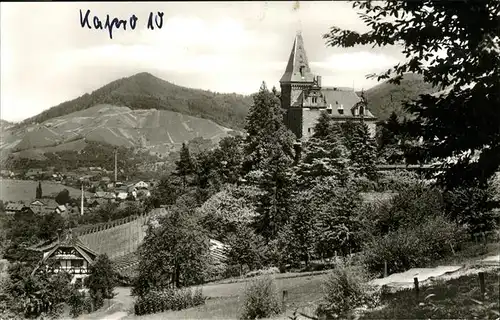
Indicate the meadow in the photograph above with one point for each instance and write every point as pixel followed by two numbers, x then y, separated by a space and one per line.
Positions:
pixel 17 190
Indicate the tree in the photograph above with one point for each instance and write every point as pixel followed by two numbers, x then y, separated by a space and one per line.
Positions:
pixel 462 122
pixel 63 197
pixel 175 252
pixel 276 184
pixel 300 234
pixel 326 157
pixel 42 293
pixel 39 190
pixel 265 130
pixel 229 159
pixel 225 211
pixel 389 137
pixel 246 248
pixel 363 151
pixel 165 193
pixel 101 281
pixel 184 167
pixel 323 127
pixel 49 225
pixel 338 224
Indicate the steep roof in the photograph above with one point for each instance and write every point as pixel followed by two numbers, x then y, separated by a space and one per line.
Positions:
pixel 69 242
pixel 345 97
pixel 15 207
pixel 298 60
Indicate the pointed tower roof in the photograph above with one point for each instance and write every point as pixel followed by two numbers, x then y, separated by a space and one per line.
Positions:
pixel 297 69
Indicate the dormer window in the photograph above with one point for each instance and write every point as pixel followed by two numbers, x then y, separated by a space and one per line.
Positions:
pixel 315 99
pixel 361 110
pixel 302 70
pixel 340 109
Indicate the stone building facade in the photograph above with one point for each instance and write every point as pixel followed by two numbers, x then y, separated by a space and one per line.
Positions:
pixel 303 97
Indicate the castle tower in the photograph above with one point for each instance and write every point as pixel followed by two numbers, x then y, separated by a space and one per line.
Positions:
pixel 301 95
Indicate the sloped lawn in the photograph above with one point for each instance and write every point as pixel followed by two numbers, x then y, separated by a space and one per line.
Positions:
pixel 454 299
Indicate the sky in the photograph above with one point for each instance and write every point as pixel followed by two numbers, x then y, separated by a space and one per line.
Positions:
pixel 47 57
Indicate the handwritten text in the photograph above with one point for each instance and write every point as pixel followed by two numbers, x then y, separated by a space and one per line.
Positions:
pixel 86 20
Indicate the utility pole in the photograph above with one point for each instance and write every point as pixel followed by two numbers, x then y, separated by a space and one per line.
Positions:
pixel 116 166
pixel 82 200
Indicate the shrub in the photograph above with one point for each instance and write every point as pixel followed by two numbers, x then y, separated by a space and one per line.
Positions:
pixel 396 180
pixel 101 280
pixel 472 207
pixel 259 272
pixel 169 299
pixel 407 209
pixel 413 246
pixel 346 289
pixel 76 303
pixel 261 299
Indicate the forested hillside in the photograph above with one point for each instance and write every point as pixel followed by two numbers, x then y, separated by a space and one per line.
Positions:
pixel 145 91
pixel 385 98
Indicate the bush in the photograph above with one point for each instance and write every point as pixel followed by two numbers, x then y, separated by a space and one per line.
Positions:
pixel 259 272
pixel 170 299
pixel 408 208
pixel 101 280
pixel 396 180
pixel 261 299
pixel 413 246
pixel 76 303
pixel 346 289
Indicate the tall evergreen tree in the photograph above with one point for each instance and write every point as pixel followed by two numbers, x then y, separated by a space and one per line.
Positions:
pixel 184 167
pixel 363 151
pixel 275 182
pixel 323 126
pixel 323 158
pixel 38 191
pixel 265 128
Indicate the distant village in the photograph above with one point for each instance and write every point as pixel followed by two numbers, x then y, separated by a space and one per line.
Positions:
pixel 93 180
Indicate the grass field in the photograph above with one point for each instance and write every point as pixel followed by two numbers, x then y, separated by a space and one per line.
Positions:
pixel 225 299
pixel 15 190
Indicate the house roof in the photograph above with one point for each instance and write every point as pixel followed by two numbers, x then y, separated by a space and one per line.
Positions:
pixel 69 242
pixel 344 98
pixel 296 61
pixel 48 203
pixel 15 206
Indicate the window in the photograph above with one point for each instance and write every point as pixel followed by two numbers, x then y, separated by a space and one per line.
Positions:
pixel 308 130
pixel 77 263
pixel 302 71
pixel 361 110
pixel 315 99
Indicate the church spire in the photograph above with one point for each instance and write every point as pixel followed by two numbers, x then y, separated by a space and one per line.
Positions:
pixel 297 69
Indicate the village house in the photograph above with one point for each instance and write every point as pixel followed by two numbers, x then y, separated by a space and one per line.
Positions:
pixel 122 192
pixel 44 206
pixel 141 185
pixel 33 173
pixel 68 254
pixel 13 208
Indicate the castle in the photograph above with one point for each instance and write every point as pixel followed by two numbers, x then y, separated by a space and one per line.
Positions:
pixel 303 98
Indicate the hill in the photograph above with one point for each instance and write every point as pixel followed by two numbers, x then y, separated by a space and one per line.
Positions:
pixel 144 91
pixel 4 125
pixel 385 98
pixel 158 132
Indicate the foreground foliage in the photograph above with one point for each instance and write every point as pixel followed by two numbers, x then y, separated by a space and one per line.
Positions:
pixel 168 299
pixel 463 120
pixel 454 299
pixel 346 289
pixel 261 299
